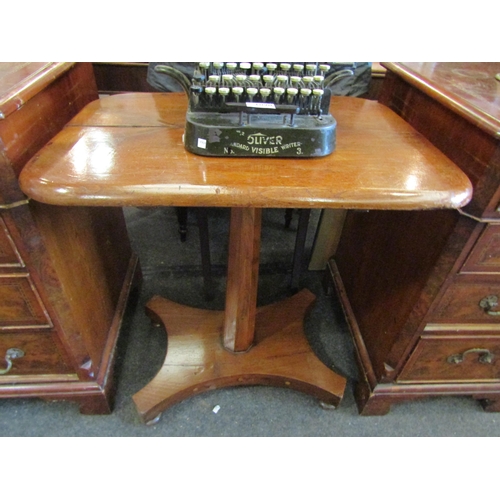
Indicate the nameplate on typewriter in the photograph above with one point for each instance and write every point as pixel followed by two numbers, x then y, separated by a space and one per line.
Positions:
pixel 259 110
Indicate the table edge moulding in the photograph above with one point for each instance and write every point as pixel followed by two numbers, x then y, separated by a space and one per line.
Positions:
pixel 380 163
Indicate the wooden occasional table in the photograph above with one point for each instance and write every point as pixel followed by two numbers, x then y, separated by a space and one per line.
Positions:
pixel 127 150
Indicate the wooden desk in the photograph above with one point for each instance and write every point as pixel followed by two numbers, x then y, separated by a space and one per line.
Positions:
pixel 414 298
pixel 65 273
pixel 136 157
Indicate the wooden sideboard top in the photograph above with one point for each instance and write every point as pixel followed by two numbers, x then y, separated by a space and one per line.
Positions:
pixel 20 81
pixel 471 89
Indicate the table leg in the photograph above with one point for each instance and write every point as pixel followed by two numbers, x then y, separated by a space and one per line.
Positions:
pixel 243 345
pixel 242 278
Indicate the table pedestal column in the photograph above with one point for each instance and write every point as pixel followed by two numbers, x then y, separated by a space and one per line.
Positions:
pixel 242 345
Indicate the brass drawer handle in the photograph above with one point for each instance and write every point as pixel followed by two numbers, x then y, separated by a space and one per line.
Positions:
pixel 488 303
pixel 12 353
pixel 486 357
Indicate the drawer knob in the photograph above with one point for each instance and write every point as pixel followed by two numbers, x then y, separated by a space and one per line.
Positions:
pixel 12 353
pixel 488 303
pixel 485 356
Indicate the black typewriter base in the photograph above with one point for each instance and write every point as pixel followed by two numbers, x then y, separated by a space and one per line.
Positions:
pixel 217 134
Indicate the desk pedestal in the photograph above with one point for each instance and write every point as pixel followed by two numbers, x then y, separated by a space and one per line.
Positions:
pixel 242 345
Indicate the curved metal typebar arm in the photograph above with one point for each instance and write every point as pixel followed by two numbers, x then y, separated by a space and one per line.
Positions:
pixel 180 77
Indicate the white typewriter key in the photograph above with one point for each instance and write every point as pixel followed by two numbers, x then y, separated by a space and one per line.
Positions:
pixel 278 92
pixel 307 80
pixel 265 93
pixel 210 91
pixel 271 66
pixel 214 79
pixel 223 91
pixel 298 67
pixel 255 79
pixel 317 93
pixel 295 80
pixel 311 68
pixel 282 79
pixel 304 97
pixel 290 94
pixel 245 65
pixel 218 65
pixel 285 66
pixel 319 79
pixel 252 91
pixel 324 67
pixel 268 79
pixel 204 65
pixel 237 91
pixel 257 66
pixel 241 78
pixel 227 79
pixel 231 66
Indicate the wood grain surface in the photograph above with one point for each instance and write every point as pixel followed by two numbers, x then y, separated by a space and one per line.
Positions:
pixel 138 158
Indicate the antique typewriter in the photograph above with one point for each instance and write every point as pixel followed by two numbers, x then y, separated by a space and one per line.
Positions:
pixel 259 109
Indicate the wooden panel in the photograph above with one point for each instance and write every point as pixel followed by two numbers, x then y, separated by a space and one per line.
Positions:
pixel 485 256
pixel 90 252
pixel 41 355
pixel 385 260
pixel 20 304
pixel 9 256
pixel 430 361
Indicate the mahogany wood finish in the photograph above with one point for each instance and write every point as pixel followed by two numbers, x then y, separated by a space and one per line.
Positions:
pixel 128 150
pixel 65 273
pixel 242 277
pixel 412 283
pixel 197 361
pixel 380 162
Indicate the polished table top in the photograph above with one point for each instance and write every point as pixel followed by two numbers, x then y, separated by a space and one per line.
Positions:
pixel 136 157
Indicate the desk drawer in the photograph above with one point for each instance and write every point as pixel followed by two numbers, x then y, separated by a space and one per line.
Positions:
pixel 20 305
pixel 485 255
pixel 468 301
pixel 40 356
pixel 454 359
